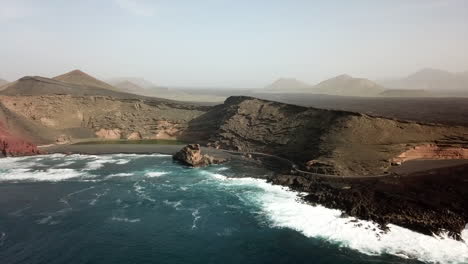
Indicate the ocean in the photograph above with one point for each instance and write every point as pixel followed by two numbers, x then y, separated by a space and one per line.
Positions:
pixel 126 208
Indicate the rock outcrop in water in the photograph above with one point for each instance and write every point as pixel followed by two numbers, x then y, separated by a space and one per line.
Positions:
pixel 191 155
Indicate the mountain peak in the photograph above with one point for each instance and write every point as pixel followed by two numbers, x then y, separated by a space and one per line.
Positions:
pixel 345 85
pixel 287 84
pixel 430 74
pixel 344 77
pixel 81 78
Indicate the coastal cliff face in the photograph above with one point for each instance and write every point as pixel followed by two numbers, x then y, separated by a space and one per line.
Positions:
pixel 105 117
pixel 322 141
pixel 14 146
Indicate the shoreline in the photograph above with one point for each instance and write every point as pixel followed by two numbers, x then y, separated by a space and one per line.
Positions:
pixel 104 149
pixel 426 199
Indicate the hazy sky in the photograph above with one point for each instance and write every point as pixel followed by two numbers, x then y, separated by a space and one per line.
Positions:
pixel 231 43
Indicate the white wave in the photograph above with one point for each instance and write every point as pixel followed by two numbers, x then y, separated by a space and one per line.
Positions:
pixel 175 204
pixel 141 193
pixel 159 155
pixel 155 174
pixel 98 196
pixel 17 163
pixel 124 219
pixel 196 217
pixel 77 192
pixel 99 163
pixel 120 175
pixel 283 209
pixel 40 175
pixel 65 164
pixel 122 161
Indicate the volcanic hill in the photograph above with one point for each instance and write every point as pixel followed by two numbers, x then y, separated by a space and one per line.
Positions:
pixel 83 79
pixel 345 85
pixel 287 85
pixel 322 141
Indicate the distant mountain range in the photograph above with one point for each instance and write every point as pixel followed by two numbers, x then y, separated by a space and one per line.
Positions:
pixel 287 84
pixel 343 85
pixel 424 83
pixel 139 86
pixel 79 83
pixel 142 83
pixel 431 80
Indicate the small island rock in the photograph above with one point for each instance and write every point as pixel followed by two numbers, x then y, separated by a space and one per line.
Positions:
pixel 191 155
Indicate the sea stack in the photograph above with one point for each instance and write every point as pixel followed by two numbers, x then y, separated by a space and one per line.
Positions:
pixel 191 155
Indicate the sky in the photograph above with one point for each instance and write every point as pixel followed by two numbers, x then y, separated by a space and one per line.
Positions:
pixel 232 43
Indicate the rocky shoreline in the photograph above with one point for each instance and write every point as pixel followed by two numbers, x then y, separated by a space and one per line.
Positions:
pixel 430 201
pixel 426 201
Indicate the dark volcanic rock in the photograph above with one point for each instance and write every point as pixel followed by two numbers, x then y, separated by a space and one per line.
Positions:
pixel 321 141
pixel 192 156
pixel 428 202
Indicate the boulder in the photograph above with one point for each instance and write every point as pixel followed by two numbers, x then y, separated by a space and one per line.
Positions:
pixel 191 155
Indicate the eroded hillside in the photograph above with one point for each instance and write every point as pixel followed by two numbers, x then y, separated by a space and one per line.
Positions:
pixel 322 141
pixel 67 117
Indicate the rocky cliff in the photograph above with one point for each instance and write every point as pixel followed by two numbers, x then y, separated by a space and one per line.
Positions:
pixel 14 145
pixel 322 141
pixel 66 117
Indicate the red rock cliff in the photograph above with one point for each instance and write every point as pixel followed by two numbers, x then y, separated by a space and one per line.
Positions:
pixel 11 145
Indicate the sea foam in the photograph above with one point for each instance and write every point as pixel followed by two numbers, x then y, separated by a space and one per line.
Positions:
pixel 153 174
pixel 40 175
pixel 283 209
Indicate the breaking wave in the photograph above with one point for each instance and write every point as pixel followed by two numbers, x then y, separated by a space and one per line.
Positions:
pixel 124 219
pixel 283 209
pixel 276 205
pixel 40 175
pixel 155 174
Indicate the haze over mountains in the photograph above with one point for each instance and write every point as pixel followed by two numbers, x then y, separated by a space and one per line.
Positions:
pixel 343 85
pixel 424 83
pixel 141 82
pixel 431 79
pixel 287 84
pixel 3 82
